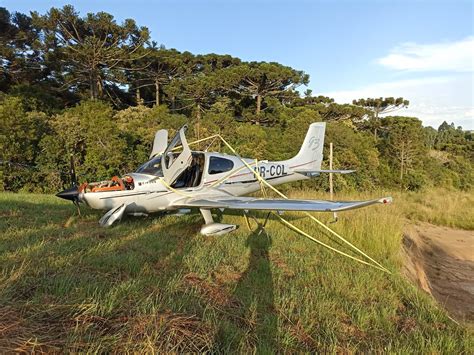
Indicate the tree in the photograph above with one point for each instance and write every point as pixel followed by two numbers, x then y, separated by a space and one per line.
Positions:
pixel 353 150
pixel 208 63
pixel 90 133
pixel 453 140
pixel 197 92
pixel 21 58
pixel 21 132
pixel 404 142
pixel 138 125
pixel 261 79
pixel 158 68
pixel 380 106
pixel 89 52
pixel 332 111
pixel 54 67
pixel 430 136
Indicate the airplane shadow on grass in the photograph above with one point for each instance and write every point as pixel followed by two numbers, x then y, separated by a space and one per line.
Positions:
pixel 255 320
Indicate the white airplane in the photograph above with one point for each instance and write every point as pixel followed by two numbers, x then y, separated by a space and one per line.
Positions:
pixel 176 178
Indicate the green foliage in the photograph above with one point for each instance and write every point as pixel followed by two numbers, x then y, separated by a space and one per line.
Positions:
pixel 405 148
pixel 88 51
pixel 453 140
pixel 137 126
pixel 377 106
pixel 53 63
pixel 88 132
pixel 261 80
pixel 19 50
pixel 251 141
pixel 219 119
pixel 353 150
pixel 156 69
pixel 21 132
pixel 381 105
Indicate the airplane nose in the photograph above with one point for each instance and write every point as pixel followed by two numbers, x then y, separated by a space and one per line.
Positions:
pixel 69 194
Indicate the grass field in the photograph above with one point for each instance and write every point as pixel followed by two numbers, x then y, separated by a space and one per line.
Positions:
pixel 155 284
pixel 439 206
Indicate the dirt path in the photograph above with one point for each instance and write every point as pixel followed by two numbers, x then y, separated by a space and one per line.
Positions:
pixel 441 261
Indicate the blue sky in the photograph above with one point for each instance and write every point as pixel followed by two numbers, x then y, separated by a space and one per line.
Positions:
pixel 422 50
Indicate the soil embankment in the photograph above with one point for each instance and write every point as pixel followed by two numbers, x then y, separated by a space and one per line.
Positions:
pixel 441 261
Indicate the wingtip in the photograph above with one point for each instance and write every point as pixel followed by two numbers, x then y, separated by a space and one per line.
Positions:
pixel 386 200
pixel 320 124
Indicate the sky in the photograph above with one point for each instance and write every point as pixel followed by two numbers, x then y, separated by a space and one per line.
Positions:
pixel 421 50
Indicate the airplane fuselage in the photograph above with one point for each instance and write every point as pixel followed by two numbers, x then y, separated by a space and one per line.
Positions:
pixel 220 173
pixel 176 178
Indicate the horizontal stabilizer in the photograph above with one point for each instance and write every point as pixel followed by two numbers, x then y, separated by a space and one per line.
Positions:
pixel 311 173
pixel 336 171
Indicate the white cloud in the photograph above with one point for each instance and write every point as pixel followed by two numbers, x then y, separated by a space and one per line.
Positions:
pixel 432 99
pixel 444 56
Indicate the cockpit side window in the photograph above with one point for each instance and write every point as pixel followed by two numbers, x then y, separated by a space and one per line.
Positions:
pixel 151 167
pixel 219 165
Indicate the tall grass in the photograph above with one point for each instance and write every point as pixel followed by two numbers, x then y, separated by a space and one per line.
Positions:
pixel 440 206
pixel 155 283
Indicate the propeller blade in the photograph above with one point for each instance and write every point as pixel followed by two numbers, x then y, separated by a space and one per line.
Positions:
pixel 72 172
pixel 72 194
pixel 76 202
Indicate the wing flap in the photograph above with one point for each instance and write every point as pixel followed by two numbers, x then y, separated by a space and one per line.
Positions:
pixel 249 203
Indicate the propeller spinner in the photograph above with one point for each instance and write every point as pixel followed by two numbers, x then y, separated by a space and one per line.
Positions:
pixel 71 194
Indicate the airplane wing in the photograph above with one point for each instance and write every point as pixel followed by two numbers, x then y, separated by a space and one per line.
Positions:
pixel 251 203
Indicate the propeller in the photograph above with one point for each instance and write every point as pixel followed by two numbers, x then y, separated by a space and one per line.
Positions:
pixel 72 171
pixel 71 194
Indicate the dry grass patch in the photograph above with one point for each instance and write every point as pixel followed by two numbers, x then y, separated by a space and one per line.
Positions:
pixel 168 332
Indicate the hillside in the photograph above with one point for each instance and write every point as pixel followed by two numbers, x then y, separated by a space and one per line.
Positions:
pixel 155 283
pixel 441 261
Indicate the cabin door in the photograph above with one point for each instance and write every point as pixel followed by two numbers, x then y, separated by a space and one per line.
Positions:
pixel 177 157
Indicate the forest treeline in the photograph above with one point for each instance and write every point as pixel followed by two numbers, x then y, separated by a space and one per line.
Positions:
pixel 97 89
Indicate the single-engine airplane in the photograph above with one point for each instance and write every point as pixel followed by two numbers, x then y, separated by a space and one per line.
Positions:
pixel 176 178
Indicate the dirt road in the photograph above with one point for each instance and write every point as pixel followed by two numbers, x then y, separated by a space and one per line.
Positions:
pixel 441 261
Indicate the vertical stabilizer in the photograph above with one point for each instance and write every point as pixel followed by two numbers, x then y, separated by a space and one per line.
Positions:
pixel 310 156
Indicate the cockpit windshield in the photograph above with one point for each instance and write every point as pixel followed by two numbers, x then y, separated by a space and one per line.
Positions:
pixel 151 167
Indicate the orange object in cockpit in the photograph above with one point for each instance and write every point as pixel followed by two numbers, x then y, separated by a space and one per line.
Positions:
pixel 116 185
pixel 82 187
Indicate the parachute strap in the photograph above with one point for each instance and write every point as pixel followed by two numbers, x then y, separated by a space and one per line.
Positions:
pixel 260 226
pixel 249 227
pixel 263 183
pixel 232 173
pixel 296 229
pixel 260 181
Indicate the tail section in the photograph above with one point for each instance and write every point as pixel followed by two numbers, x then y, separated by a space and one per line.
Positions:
pixel 310 156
